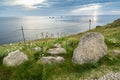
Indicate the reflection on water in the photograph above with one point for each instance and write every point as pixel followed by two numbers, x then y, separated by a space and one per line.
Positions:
pixel 34 26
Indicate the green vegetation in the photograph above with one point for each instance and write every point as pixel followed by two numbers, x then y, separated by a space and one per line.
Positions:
pixel 35 70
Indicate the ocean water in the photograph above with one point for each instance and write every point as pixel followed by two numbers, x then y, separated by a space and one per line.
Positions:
pixel 53 26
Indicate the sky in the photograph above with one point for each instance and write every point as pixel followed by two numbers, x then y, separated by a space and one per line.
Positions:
pixel 58 7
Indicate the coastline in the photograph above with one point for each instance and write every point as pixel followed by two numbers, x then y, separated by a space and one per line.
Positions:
pixel 68 70
pixel 34 27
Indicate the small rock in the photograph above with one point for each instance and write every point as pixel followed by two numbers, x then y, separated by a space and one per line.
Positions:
pixel 57 51
pixel 11 44
pixel 51 60
pixel 57 45
pixel 111 76
pixel 37 49
pixel 15 58
pixel 90 48
pixel 116 52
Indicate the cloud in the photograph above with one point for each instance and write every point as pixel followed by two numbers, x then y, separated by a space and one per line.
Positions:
pixel 31 4
pixel 59 7
pixel 110 12
pixel 116 12
pixel 107 8
pixel 28 3
pixel 86 9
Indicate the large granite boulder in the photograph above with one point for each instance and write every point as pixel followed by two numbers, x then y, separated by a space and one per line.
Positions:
pixel 90 48
pixel 52 60
pixel 15 58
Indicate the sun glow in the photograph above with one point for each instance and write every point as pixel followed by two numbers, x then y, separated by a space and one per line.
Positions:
pixel 29 3
pixel 95 16
pixel 90 9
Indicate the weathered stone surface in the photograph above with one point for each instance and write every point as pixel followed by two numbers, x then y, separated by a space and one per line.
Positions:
pixel 57 45
pixel 116 52
pixel 90 49
pixel 15 58
pixel 37 49
pixel 51 60
pixel 111 76
pixel 57 51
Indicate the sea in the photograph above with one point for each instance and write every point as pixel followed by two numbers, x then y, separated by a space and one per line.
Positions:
pixel 15 29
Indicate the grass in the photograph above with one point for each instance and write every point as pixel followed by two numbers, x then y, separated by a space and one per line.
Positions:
pixel 33 69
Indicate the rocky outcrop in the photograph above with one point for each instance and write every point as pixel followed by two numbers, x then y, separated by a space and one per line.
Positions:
pixel 111 76
pixel 90 48
pixel 118 20
pixel 15 58
pixel 51 59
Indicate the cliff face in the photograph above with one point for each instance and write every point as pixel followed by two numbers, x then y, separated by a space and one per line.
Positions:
pixel 116 23
pixel 118 20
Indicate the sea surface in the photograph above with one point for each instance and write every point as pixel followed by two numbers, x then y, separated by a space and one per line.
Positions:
pixel 48 26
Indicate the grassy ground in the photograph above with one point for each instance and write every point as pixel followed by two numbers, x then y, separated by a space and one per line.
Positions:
pixel 35 70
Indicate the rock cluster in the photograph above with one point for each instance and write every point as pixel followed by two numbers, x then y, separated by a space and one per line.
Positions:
pixel 54 51
pixel 90 49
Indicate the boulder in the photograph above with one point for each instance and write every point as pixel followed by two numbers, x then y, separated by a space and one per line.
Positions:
pixel 52 60
pixel 15 58
pixel 111 76
pixel 37 48
pixel 116 52
pixel 90 48
pixel 57 51
pixel 57 45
